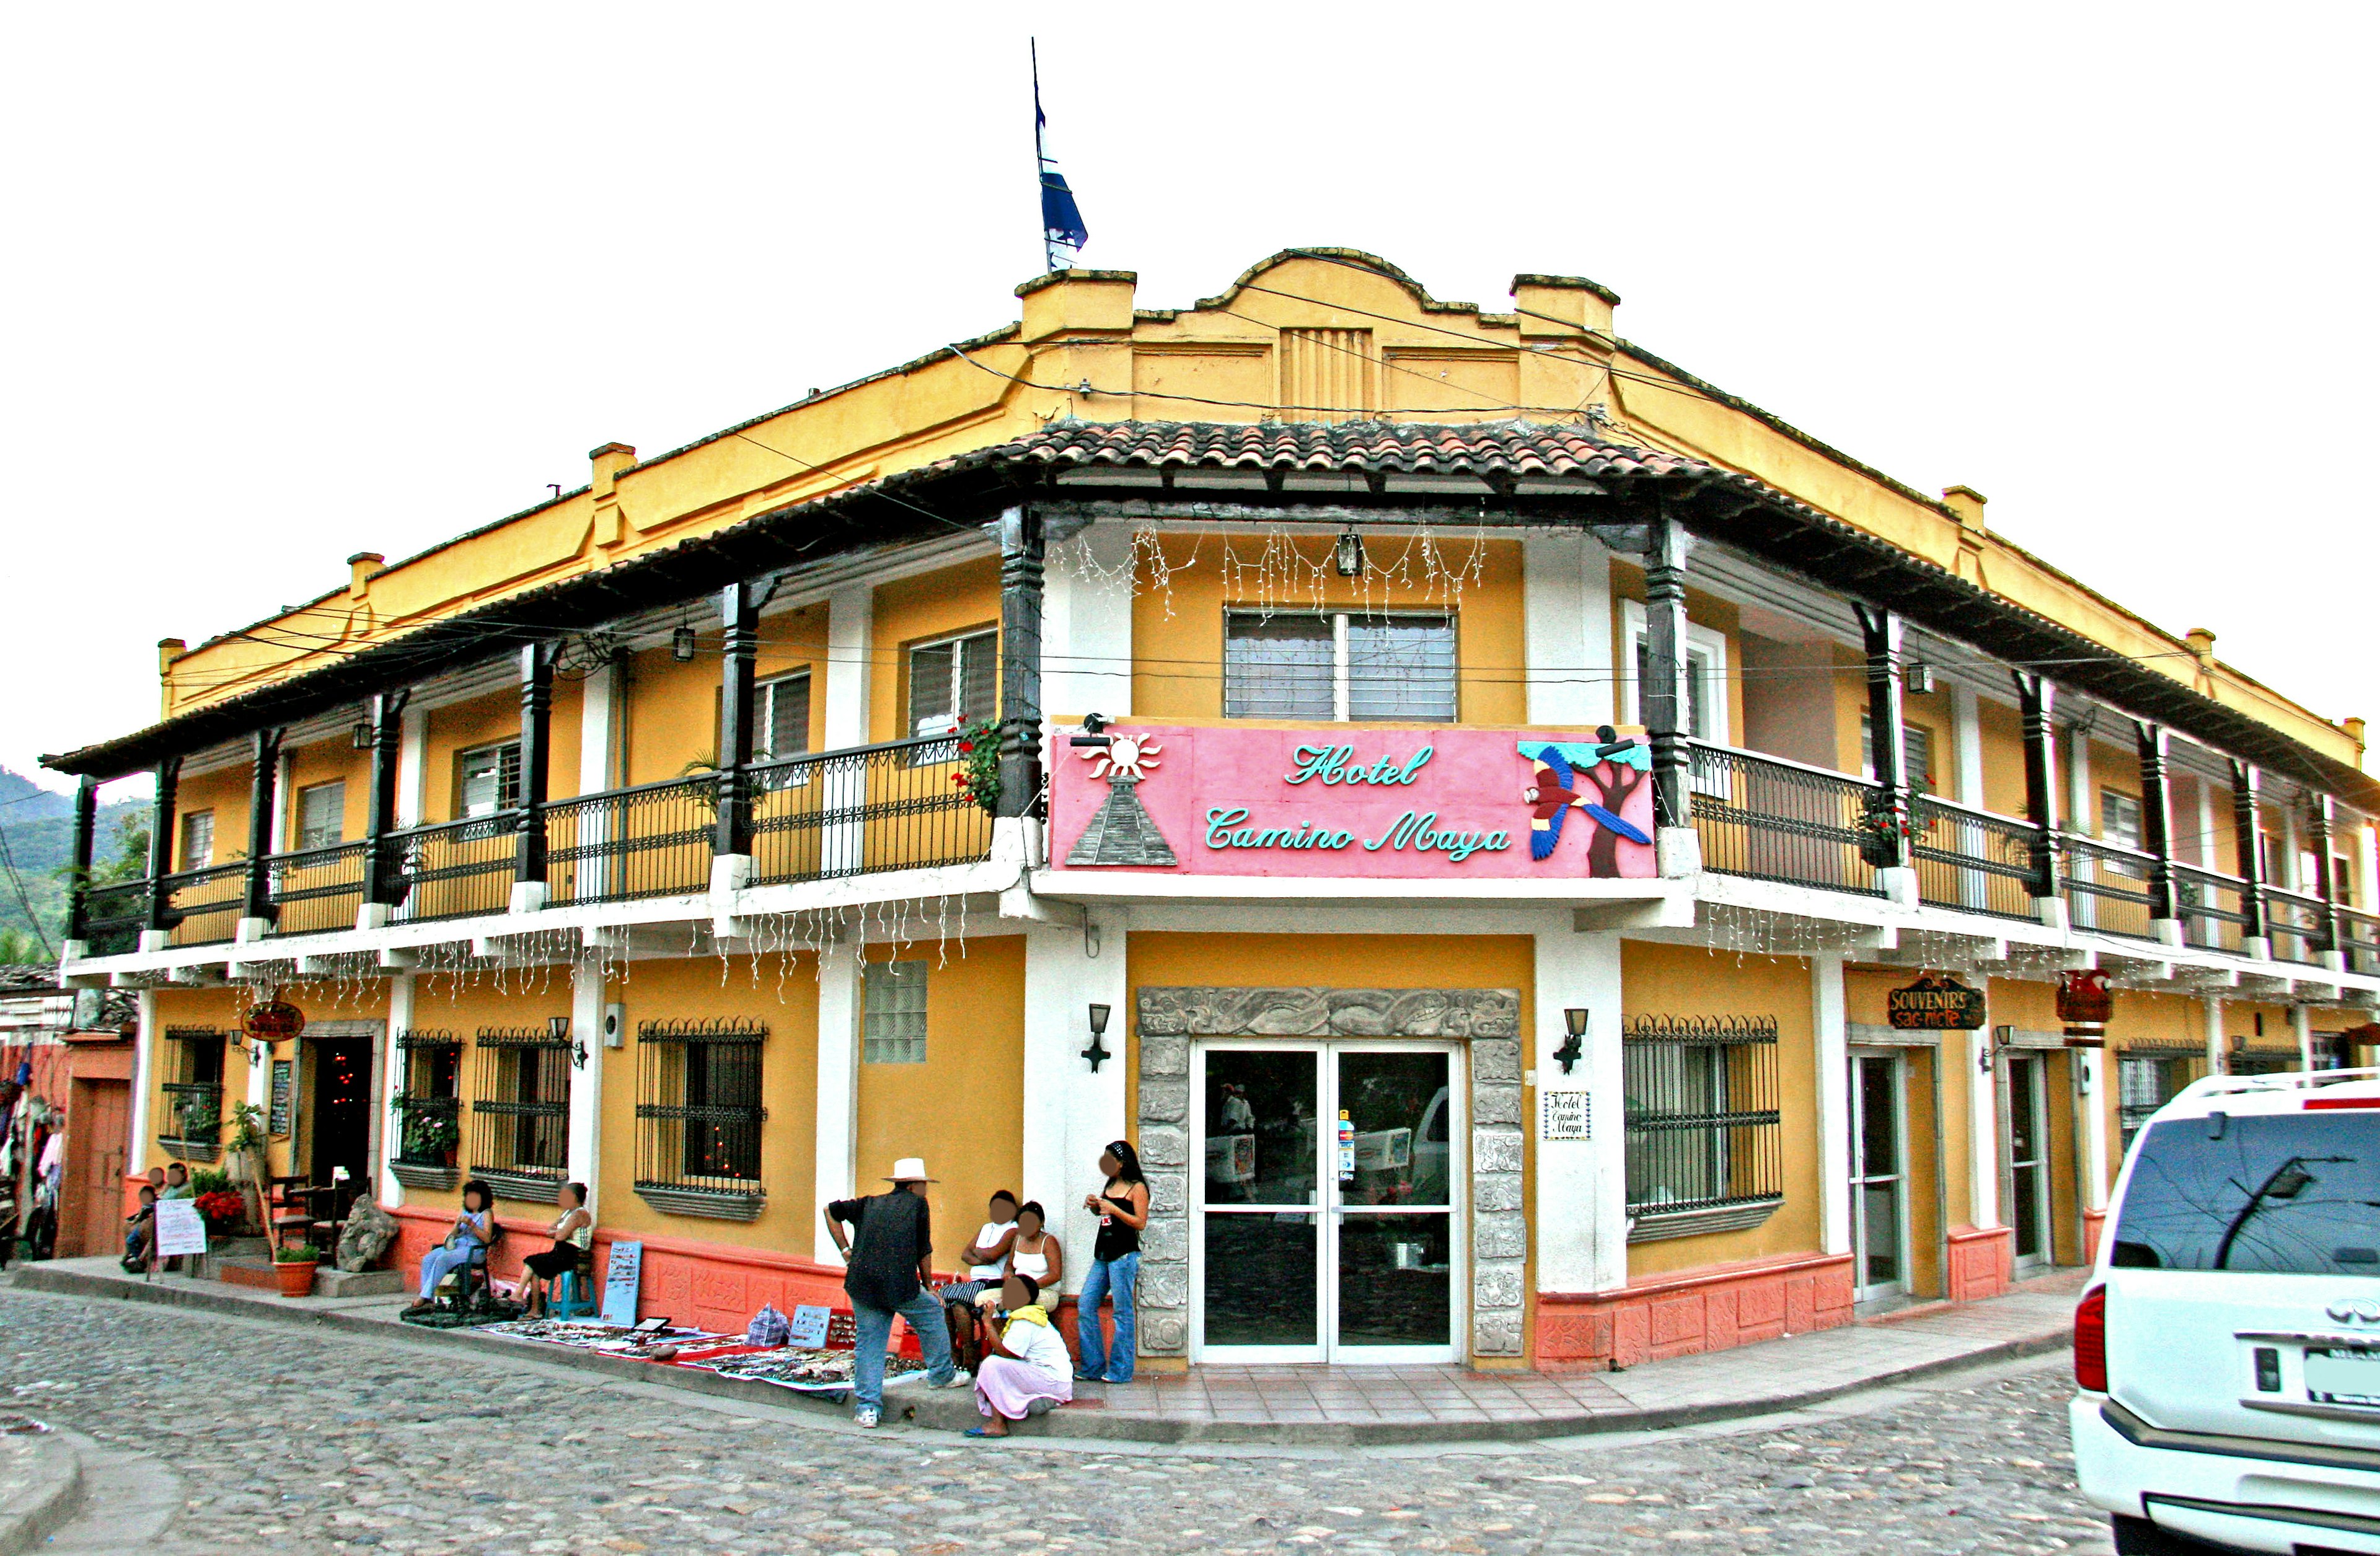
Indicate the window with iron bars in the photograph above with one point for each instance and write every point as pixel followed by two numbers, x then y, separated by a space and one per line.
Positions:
pixel 2146 1079
pixel 427 1102
pixel 1701 1107
pixel 194 1098
pixel 520 1110
pixel 698 1115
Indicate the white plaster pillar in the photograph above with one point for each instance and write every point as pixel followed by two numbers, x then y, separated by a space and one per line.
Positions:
pixel 1982 1132
pixel 1071 1113
pixel 1086 625
pixel 602 709
pixel 850 648
pixel 144 1073
pixel 838 1088
pixel 2091 1074
pixel 1582 1186
pixel 1566 607
pixel 2082 816
pixel 2367 864
pixel 585 1151
pixel 412 765
pixel 2301 1019
pixel 1967 736
pixel 2205 823
pixel 1833 1043
pixel 401 988
pixel 282 841
pixel 2216 1063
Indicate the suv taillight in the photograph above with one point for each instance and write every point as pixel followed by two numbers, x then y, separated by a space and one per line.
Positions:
pixel 2091 1341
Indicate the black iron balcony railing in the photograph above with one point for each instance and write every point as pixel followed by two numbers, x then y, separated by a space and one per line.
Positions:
pixel 1972 860
pixel 2296 923
pixel 1773 819
pixel 458 870
pixel 2211 907
pixel 862 811
pixel 2359 942
pixel 650 840
pixel 203 906
pixel 114 916
pixel 2106 886
pixel 316 890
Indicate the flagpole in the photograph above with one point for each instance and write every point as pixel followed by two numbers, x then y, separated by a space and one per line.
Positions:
pixel 1040 153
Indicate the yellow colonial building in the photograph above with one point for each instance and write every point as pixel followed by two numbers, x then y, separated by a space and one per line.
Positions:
pixel 1460 792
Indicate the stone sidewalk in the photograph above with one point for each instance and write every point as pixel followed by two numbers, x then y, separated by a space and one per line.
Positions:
pixel 1300 1405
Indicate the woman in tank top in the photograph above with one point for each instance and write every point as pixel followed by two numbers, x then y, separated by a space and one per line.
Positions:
pixel 1123 1209
pixel 1036 1251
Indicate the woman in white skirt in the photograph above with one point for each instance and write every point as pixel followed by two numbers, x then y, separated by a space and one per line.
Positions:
pixel 1024 1362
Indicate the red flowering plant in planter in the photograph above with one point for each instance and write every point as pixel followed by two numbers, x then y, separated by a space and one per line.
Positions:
pixel 978 774
pixel 222 1209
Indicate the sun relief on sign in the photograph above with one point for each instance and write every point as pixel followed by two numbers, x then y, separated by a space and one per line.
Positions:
pixel 1378 800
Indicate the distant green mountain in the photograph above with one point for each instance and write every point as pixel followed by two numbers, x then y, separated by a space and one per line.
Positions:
pixel 37 839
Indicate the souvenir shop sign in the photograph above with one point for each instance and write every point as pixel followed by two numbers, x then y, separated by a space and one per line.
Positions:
pixel 1936 1003
pixel 1362 800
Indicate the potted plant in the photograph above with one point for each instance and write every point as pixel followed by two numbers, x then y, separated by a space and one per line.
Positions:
pixel 200 1119
pixel 430 1135
pixel 223 1211
pixel 293 1266
pixel 978 773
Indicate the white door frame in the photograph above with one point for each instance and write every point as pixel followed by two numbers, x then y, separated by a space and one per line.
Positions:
pixel 2035 1064
pixel 1863 1289
pixel 1328 1210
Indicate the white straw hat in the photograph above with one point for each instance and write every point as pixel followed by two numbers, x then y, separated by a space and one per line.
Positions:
pixel 910 1170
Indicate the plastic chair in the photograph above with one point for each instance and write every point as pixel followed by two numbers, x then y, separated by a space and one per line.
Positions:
pixel 573 1294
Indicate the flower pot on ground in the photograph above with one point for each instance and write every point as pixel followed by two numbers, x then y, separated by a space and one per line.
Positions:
pixel 293 1265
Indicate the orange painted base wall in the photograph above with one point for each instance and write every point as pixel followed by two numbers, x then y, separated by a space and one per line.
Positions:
pixel 1712 1309
pixel 2094 1222
pixel 1979 1262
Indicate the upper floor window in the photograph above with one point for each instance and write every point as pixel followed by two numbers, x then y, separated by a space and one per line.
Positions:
pixel 953 681
pixel 1916 755
pixel 487 779
pixel 783 717
pixel 1339 666
pixel 323 814
pixel 892 1013
pixel 2121 820
pixel 1704 715
pixel 198 840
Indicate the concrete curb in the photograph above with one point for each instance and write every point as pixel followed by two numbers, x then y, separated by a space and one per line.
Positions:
pixel 954 1409
pixel 31 1516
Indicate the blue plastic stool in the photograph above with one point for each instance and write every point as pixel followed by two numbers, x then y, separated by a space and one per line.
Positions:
pixel 574 1296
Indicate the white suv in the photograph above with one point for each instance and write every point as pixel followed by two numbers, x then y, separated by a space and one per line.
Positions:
pixel 2229 1347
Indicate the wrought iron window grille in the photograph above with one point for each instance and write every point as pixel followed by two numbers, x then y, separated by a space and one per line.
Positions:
pixel 520 1110
pixel 428 1105
pixel 1701 1106
pixel 699 1116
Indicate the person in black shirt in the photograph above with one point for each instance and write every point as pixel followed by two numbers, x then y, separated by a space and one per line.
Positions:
pixel 887 1270
pixel 1123 1209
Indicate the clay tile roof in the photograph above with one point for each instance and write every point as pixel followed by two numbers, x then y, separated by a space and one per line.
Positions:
pixel 1492 450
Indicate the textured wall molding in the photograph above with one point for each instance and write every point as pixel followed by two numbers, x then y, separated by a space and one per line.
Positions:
pixel 1292 1012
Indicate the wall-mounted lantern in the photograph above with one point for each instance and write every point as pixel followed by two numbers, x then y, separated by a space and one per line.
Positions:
pixel 1574 1046
pixel 682 645
pixel 558 1027
pixel 1098 1053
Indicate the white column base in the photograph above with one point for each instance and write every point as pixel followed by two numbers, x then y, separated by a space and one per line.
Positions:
pixel 2168 931
pixel 529 896
pixel 2051 912
pixel 2256 947
pixel 1899 885
pixel 1827 1016
pixel 373 916
pixel 584 1152
pixel 837 1129
pixel 2331 961
pixel 156 939
pixel 248 931
pixel 1678 853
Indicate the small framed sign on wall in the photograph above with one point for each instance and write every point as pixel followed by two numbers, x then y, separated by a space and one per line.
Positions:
pixel 283 1100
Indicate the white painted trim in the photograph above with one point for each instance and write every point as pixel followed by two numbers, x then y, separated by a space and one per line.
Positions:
pixel 1071 1113
pixel 1828 1025
pixel 413 765
pixel 1575 1251
pixel 1634 628
pixel 401 996
pixel 1087 636
pixel 584 1153
pixel 838 1090
pixel 2091 1069
pixel 146 1037
pixel 1982 1131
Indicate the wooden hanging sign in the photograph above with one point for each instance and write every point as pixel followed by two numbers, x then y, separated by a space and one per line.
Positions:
pixel 273 1021
pixel 1936 1003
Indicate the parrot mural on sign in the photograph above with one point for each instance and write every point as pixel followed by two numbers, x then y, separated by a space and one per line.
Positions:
pixel 1613 766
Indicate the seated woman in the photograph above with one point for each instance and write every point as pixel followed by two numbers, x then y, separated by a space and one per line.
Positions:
pixel 987 1256
pixel 141 1232
pixel 1027 1361
pixel 573 1234
pixel 1036 1251
pixel 467 1244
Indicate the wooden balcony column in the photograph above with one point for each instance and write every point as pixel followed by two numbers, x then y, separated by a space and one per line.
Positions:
pixel 2036 700
pixel 2156 830
pixel 1661 700
pixel 1023 543
pixel 536 741
pixel 384 883
pixel 86 821
pixel 730 841
pixel 1888 818
pixel 2247 831
pixel 257 914
pixel 162 917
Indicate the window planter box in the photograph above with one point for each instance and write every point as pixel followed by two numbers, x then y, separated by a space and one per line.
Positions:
pixel 421 1174
pixel 718 1204
pixel 191 1150
pixel 1653 1226
pixel 532 1187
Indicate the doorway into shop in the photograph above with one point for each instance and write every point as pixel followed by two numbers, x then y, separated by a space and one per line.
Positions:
pixel 91 1219
pixel 2025 1142
pixel 338 1096
pixel 1879 1186
pixel 1328 1219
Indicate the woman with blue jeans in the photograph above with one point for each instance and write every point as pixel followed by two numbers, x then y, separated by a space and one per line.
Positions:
pixel 1123 1209
pixel 467 1244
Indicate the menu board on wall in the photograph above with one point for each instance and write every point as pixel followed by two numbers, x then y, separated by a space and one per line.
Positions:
pixel 284 1087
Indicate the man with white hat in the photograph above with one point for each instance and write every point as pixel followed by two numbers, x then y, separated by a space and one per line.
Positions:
pixel 887 1270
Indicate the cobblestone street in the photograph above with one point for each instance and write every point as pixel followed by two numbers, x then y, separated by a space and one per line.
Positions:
pixel 292 1440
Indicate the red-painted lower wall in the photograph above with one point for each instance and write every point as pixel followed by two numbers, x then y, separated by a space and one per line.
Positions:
pixel 2094 1222
pixel 1979 1262
pixel 1713 1309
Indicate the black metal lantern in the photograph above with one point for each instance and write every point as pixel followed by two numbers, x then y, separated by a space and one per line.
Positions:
pixel 1348 554
pixel 1098 1053
pixel 360 738
pixel 1574 1046
pixel 682 644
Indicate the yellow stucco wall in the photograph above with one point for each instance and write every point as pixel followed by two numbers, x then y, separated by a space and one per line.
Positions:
pixel 964 598
pixel 1686 980
pixel 225 793
pixel 962 1110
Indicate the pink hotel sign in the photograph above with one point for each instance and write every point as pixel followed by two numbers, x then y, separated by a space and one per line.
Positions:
pixel 1375 800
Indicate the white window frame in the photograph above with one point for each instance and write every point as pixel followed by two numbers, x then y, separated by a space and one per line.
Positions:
pixel 1701 643
pixel 297 811
pixel 190 818
pixel 764 706
pixel 463 759
pixel 1924 731
pixel 948 724
pixel 1341 702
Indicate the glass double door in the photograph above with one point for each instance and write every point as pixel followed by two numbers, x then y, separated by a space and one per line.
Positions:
pixel 1327 1225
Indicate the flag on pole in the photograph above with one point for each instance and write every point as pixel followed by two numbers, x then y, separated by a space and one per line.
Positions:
pixel 1062 233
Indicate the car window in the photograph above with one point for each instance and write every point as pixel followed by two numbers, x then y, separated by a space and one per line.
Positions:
pixel 2273 1193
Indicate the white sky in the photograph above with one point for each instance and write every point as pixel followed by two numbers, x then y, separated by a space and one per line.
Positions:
pixel 286 283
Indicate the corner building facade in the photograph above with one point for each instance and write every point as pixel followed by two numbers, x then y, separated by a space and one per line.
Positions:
pixel 1457 790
